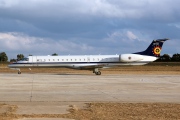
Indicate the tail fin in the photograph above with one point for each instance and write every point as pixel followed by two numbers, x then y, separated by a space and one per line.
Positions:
pixel 154 48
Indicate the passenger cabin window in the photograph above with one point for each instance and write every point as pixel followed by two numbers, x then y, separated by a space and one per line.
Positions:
pixel 39 60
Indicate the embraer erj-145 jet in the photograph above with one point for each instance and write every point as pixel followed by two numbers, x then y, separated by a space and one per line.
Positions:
pixel 92 62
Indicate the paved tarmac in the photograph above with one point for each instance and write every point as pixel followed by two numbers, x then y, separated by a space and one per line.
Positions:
pixel 89 88
pixel 53 93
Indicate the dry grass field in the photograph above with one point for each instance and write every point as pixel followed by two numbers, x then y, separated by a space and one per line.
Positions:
pixel 153 68
pixel 106 111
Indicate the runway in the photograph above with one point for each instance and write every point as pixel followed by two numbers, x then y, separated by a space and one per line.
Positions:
pixel 51 94
pixel 89 88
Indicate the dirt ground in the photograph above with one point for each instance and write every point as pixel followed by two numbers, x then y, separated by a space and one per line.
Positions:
pixel 105 111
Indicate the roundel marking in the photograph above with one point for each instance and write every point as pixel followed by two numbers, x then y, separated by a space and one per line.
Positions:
pixel 157 50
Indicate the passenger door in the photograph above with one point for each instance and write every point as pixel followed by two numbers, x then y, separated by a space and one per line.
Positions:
pixel 34 61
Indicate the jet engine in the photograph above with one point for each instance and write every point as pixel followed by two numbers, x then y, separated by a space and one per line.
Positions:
pixel 130 57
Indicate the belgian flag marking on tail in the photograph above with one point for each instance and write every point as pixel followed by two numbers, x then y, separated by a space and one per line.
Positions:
pixel 154 48
pixel 156 51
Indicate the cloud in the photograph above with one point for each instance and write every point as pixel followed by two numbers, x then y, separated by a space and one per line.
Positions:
pixel 131 36
pixel 47 18
pixel 177 25
pixel 125 35
pixel 137 9
pixel 86 26
pixel 21 43
pixel 15 41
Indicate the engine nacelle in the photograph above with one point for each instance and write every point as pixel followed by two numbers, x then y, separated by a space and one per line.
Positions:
pixel 130 57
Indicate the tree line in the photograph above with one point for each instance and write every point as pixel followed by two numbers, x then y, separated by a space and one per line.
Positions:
pixel 4 57
pixel 163 58
pixel 168 58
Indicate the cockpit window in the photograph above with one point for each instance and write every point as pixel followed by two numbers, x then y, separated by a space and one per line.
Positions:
pixel 24 59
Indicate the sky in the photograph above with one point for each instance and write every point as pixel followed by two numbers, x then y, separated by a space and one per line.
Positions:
pixel 87 27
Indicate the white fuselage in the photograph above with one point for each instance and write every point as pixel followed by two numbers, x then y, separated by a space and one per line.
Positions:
pixel 83 61
pixel 93 62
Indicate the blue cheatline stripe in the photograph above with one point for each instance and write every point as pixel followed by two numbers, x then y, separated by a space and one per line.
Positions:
pixel 80 62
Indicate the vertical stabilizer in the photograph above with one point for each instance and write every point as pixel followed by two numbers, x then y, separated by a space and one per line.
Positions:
pixel 154 48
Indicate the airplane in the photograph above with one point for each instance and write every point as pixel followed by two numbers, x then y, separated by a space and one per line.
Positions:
pixel 92 62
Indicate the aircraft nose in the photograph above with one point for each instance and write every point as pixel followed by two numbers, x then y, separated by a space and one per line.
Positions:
pixel 10 65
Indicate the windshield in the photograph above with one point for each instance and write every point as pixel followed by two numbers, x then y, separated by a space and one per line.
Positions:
pixel 24 59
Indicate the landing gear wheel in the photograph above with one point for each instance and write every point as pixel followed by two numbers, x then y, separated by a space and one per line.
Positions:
pixel 19 72
pixel 98 73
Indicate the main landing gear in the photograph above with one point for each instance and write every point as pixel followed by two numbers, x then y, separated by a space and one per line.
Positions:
pixel 96 71
pixel 19 71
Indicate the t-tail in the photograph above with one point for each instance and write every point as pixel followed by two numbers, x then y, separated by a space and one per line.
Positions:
pixel 154 48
